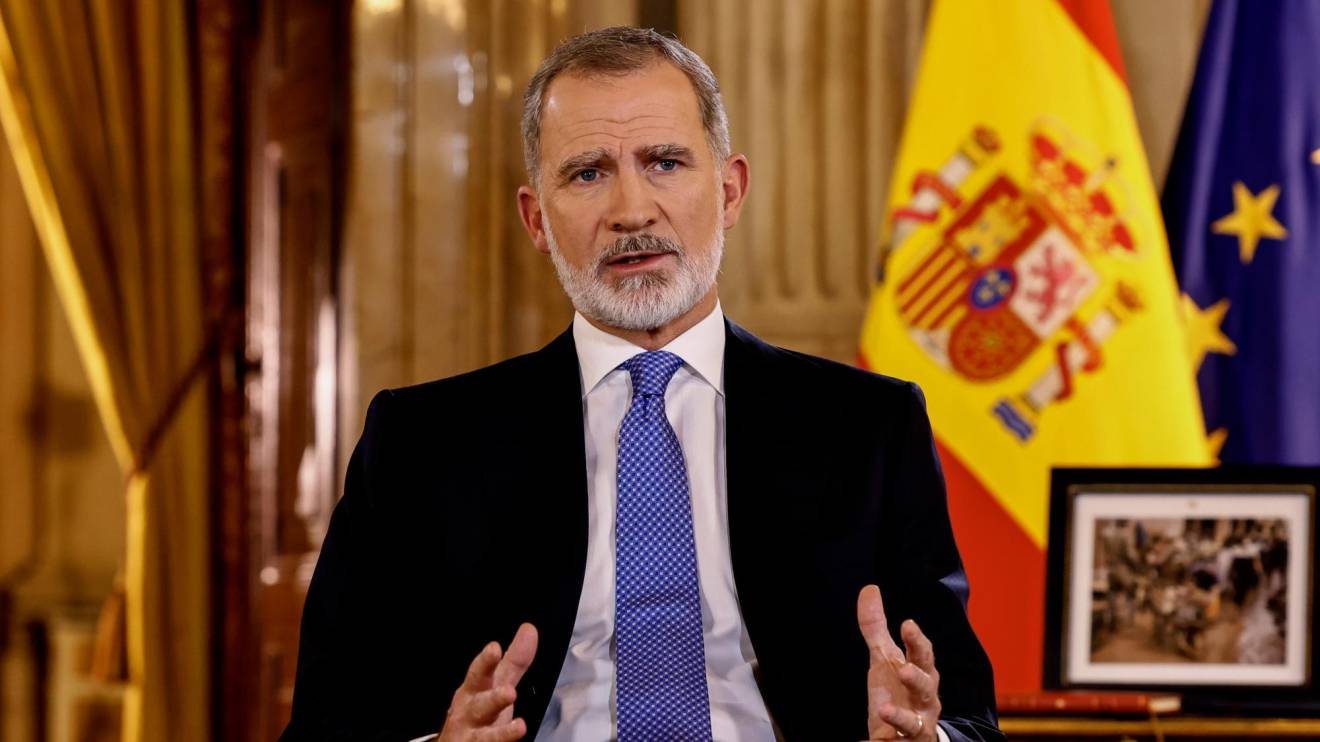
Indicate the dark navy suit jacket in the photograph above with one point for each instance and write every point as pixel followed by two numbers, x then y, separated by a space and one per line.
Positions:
pixel 465 514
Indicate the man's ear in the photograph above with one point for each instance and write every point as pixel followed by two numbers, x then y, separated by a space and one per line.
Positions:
pixel 734 184
pixel 533 219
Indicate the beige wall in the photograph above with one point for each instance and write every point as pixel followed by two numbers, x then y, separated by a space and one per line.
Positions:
pixel 816 93
pixel 1160 42
pixel 439 275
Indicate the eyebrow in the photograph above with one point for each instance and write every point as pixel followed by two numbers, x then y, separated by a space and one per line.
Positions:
pixel 666 152
pixel 588 159
pixel 597 157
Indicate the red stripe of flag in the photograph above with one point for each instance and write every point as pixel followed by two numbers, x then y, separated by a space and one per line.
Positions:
pixel 964 280
pixel 1006 571
pixel 921 268
pixel 1097 24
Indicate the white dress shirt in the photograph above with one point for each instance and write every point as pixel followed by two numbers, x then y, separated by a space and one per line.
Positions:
pixel 582 707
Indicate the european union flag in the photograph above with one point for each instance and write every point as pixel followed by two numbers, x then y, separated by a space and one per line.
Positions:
pixel 1242 206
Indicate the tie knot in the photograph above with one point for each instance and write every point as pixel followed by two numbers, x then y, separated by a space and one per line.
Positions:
pixel 651 371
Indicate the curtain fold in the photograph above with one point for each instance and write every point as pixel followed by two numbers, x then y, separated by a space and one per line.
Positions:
pixel 97 106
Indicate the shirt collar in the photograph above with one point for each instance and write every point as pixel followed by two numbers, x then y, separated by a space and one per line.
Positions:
pixel 701 347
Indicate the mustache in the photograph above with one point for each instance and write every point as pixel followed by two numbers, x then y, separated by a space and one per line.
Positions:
pixel 645 242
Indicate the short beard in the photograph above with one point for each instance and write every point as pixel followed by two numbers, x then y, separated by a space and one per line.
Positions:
pixel 645 301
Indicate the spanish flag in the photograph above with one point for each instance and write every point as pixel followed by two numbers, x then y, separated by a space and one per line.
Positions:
pixel 1026 285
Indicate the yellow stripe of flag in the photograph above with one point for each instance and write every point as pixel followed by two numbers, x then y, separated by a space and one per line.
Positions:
pixel 1066 347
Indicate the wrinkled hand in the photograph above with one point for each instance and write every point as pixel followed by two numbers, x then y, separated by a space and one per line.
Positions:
pixel 902 691
pixel 482 709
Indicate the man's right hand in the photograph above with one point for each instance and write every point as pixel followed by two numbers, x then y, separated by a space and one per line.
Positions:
pixel 482 709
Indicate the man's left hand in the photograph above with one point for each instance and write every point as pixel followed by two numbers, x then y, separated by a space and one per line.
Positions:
pixel 902 690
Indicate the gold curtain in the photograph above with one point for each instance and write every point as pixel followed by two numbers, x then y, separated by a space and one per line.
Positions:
pixel 438 275
pixel 97 107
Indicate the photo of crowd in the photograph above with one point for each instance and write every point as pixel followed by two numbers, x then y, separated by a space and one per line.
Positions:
pixel 1190 590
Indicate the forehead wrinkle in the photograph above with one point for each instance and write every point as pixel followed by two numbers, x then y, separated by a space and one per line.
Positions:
pixel 650 113
pixel 618 141
pixel 567 115
pixel 621 128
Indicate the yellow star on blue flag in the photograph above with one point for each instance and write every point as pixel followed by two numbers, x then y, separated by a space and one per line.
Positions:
pixel 1242 207
pixel 1251 219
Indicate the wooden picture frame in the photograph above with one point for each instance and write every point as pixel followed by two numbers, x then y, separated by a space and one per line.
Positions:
pixel 1195 581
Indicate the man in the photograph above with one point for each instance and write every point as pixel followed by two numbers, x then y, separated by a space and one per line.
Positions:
pixel 685 531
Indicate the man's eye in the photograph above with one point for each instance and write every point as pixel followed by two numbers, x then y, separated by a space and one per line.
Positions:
pixel 667 165
pixel 588 175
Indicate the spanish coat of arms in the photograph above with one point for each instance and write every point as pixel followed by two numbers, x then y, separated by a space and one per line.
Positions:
pixel 1012 266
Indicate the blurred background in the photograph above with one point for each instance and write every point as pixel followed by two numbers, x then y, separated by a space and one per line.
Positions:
pixel 224 224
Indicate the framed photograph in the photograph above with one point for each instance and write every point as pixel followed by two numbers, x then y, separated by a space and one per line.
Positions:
pixel 1200 581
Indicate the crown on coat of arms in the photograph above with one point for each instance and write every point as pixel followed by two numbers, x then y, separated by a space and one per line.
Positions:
pixel 1078 197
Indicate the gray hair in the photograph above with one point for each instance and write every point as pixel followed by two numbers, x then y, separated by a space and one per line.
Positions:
pixel 618 51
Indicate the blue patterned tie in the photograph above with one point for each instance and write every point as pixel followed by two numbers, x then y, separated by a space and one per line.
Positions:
pixel 660 658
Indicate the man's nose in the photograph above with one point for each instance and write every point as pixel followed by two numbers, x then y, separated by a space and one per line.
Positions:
pixel 632 207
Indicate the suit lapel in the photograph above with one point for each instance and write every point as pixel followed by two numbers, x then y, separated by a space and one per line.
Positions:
pixel 551 491
pixel 747 419
pixel 765 479
pixel 774 488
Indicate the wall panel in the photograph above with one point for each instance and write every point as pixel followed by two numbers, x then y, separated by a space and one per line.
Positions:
pixel 815 92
